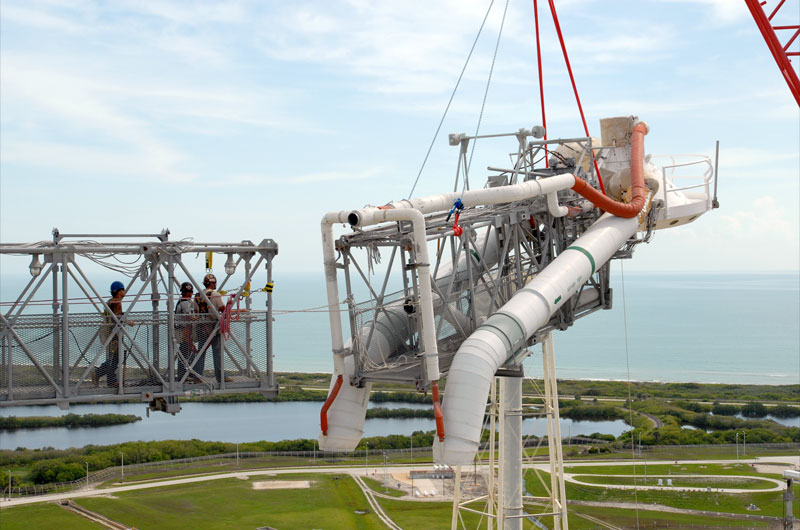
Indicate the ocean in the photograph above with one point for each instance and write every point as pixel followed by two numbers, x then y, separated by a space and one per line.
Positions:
pixel 677 327
pixel 681 327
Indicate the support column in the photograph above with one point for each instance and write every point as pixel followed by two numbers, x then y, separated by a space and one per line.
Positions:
pixel 456 498
pixel 558 496
pixel 492 456
pixel 511 451
pixel 56 326
pixel 171 324
pixel 156 324
pixel 65 364
pixel 248 302
pixel 270 374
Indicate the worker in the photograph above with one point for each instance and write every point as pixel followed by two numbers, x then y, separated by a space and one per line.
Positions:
pixel 109 329
pixel 185 333
pixel 208 333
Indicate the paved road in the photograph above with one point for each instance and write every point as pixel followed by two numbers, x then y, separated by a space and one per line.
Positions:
pixel 91 492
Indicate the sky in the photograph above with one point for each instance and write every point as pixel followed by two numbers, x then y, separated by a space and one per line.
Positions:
pixel 225 121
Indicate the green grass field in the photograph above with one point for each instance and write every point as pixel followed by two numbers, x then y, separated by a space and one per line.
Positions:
pixel 679 482
pixel 770 503
pixel 670 469
pixel 43 516
pixel 331 502
pixel 377 486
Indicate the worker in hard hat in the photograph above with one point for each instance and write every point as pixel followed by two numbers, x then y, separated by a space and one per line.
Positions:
pixel 208 334
pixel 185 332
pixel 110 335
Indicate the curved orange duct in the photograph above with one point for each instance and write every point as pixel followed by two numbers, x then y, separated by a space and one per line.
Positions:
pixel 608 204
pixel 323 415
pixel 437 411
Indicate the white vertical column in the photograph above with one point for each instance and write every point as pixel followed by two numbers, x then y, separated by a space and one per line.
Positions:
pixel 511 451
pixel 492 455
pixel 456 499
pixel 558 494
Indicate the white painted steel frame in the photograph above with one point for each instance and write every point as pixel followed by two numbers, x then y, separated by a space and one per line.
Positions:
pixel 60 261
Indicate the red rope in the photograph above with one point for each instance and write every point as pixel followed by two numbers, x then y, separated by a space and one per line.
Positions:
pixel 541 84
pixel 574 88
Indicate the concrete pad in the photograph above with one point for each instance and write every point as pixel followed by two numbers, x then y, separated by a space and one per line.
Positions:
pixel 281 484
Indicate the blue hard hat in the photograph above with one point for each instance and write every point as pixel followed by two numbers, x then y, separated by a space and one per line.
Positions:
pixel 116 286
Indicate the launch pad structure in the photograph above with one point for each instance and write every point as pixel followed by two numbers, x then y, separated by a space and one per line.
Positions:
pixel 457 262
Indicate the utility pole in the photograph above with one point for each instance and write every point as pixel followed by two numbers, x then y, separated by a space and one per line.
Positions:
pixel 9 484
pixel 237 454
pixel 385 490
pixel 87 474
pixel 122 460
pixel 737 447
pixel 366 458
pixel 744 443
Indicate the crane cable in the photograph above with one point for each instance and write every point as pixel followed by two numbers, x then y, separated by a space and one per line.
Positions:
pixel 630 401
pixel 465 185
pixel 447 108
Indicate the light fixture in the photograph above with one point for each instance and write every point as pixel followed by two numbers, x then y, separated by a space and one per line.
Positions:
pixel 230 265
pixel 35 266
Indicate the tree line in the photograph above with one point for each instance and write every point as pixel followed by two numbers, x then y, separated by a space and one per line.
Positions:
pixel 69 420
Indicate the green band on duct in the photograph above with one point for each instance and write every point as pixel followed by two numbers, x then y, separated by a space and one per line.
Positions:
pixel 585 253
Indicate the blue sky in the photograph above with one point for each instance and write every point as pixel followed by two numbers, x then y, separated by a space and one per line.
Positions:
pixel 245 120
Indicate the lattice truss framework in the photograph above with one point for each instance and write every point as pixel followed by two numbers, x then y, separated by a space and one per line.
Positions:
pixel 51 346
pixel 379 264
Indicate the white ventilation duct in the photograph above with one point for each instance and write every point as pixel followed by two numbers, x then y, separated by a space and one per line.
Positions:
pixel 507 331
pixel 345 414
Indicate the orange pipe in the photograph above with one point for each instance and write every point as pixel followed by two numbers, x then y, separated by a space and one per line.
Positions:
pixel 608 204
pixel 323 415
pixel 437 411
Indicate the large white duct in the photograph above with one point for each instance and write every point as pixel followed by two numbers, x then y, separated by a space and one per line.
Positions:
pixel 507 331
pixel 346 413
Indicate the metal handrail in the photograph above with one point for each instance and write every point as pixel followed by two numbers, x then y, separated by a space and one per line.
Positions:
pixel 706 177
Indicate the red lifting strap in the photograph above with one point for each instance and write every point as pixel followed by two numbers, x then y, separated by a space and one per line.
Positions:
pixel 323 415
pixel 457 230
pixel 437 411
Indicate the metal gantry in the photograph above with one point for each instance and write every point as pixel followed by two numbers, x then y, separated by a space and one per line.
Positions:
pixel 478 264
pixel 60 329
pixel 482 257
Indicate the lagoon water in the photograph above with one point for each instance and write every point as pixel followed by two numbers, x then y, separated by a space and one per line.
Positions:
pixel 233 422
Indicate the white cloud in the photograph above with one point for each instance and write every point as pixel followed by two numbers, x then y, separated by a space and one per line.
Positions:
pixel 84 108
pixel 769 219
pixel 302 179
pixel 722 11
pixel 156 164
pixel 26 16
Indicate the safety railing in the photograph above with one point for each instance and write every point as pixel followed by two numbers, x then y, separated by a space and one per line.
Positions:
pixel 671 173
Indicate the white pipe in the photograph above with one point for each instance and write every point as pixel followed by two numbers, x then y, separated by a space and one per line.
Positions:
pixel 347 412
pixel 511 451
pixel 332 286
pixel 499 195
pixel 553 207
pixel 507 331
pixel 373 216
